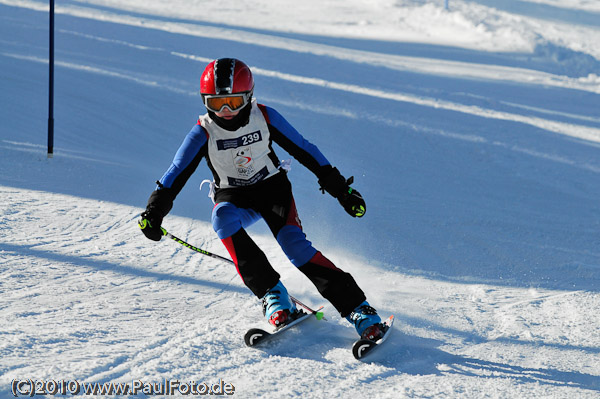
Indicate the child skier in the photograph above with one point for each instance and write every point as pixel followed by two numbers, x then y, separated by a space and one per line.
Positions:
pixel 235 137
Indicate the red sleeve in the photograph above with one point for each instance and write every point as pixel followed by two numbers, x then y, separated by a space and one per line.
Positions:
pixel 263 109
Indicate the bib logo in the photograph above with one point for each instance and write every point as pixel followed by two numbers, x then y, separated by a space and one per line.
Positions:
pixel 242 159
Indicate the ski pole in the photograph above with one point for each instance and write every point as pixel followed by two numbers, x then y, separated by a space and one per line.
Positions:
pixel 193 248
pixel 318 314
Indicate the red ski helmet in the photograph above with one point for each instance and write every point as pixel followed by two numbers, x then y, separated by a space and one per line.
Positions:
pixel 226 76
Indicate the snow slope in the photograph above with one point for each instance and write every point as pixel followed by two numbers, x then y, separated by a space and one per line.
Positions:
pixel 472 133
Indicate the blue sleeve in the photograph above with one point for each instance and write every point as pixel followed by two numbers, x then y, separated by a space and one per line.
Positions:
pixel 294 143
pixel 186 160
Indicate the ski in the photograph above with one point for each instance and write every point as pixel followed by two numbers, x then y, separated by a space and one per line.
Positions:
pixel 255 336
pixel 362 347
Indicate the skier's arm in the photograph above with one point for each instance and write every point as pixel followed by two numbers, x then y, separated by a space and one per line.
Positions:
pixel 185 162
pixel 284 134
pixel 309 155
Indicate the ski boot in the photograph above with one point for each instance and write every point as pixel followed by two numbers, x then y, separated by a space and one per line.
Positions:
pixel 367 322
pixel 278 308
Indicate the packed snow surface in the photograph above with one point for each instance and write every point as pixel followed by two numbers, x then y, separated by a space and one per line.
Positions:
pixel 473 133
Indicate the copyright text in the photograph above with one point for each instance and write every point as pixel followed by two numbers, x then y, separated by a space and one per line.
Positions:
pixel 168 387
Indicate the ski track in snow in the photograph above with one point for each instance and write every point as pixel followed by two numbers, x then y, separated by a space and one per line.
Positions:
pixel 400 63
pixel 85 297
pixel 569 129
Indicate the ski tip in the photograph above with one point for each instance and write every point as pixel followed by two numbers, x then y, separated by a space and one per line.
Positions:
pixel 254 336
pixel 362 347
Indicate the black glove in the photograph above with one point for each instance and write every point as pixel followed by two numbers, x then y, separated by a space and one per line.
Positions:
pixel 150 224
pixel 159 204
pixel 335 184
pixel 353 202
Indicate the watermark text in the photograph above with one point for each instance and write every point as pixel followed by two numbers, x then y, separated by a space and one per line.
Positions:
pixel 168 387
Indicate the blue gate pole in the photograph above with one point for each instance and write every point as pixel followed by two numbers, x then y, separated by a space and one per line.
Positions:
pixel 51 85
pixel 446 4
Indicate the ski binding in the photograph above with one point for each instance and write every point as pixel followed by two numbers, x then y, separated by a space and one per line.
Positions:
pixel 255 336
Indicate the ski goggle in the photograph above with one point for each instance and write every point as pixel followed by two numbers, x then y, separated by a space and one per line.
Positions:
pixel 234 102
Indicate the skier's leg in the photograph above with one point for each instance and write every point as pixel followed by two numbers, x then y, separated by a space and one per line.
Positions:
pixel 340 288
pixel 251 263
pixel 335 285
